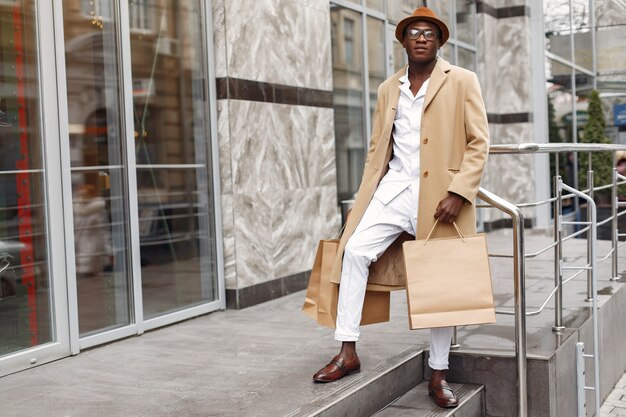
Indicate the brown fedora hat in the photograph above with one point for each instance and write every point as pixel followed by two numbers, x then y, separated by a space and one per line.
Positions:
pixel 422 13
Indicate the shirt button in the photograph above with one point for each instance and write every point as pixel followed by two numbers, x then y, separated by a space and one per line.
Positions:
pixel 425 173
pixel 425 141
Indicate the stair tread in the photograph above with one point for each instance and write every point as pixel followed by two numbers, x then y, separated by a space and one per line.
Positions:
pixel 417 403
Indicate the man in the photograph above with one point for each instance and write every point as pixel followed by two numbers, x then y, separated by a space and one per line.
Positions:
pixel 428 149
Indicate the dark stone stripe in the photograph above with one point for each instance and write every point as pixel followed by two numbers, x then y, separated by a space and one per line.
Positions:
pixel 502 12
pixel 239 89
pixel 266 291
pixel 508 118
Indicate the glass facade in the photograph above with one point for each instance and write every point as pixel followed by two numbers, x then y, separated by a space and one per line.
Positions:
pixel 173 169
pixel 97 148
pixel 26 318
pixel 574 68
pixel 136 172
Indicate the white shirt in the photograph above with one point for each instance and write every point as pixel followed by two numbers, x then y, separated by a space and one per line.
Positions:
pixel 404 167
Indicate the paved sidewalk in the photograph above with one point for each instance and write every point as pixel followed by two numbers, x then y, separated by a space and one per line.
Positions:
pixel 259 361
pixel 615 403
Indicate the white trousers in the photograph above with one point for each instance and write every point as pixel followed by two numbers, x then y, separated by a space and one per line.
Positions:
pixel 378 229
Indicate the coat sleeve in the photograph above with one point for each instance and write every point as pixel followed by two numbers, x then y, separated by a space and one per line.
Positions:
pixel 467 181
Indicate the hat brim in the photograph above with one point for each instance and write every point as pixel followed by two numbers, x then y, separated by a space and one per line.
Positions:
pixel 445 33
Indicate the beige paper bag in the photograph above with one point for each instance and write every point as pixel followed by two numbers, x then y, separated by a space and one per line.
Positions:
pixel 448 281
pixel 321 296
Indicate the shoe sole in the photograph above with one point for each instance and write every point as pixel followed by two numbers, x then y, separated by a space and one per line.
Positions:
pixel 323 381
pixel 431 395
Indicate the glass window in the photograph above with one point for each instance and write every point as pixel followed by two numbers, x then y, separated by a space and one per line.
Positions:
pixel 467 59
pixel 442 9
pixel 348 40
pixel 399 55
pixel 398 10
pixel 98 172
pixel 140 14
pixel 557 27
pixel 173 168
pixel 25 285
pixel 97 10
pixel 582 34
pixel 347 104
pixel 465 21
pixel 375 4
pixel 375 58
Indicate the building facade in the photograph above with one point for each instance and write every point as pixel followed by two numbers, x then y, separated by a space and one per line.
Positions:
pixel 161 159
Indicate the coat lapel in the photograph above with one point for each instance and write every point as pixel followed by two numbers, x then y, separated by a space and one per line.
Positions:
pixel 437 78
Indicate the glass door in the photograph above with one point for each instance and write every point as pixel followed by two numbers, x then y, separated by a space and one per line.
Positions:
pixel 98 166
pixel 172 153
pixel 32 327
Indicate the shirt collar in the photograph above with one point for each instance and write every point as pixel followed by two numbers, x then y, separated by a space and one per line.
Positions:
pixel 406 86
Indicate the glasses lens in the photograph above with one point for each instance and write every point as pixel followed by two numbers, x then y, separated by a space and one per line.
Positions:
pixel 414 34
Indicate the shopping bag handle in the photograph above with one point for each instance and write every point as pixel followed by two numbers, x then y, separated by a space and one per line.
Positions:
pixel 435 225
pixel 341 231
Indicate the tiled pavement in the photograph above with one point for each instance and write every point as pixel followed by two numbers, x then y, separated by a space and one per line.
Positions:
pixel 615 403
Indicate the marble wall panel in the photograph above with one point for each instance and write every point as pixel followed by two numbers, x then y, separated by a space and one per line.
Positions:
pixel 230 268
pixel 279 41
pixel 513 60
pixel 277 146
pixel 223 139
pixel 303 217
pixel 487 70
pixel 219 38
pixel 253 232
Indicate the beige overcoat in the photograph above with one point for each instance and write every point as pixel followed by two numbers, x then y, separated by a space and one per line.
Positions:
pixel 454 145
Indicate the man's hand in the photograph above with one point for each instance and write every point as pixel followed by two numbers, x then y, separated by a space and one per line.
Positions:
pixel 449 208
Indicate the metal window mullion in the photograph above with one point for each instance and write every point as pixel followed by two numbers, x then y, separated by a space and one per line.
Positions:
pixel 561 60
pixel 131 171
pixel 360 9
pixel 540 109
pixel 452 11
pixel 594 55
pixel 66 178
pixel 53 168
pixel 365 83
pixel 214 149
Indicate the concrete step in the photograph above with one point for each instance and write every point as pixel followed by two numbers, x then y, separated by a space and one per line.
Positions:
pixel 364 394
pixel 416 403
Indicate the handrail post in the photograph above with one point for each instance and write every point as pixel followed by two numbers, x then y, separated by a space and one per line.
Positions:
pixel 589 241
pixel 558 257
pixel 614 225
pixel 519 282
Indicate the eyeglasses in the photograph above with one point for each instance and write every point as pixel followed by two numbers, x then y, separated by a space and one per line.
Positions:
pixel 414 34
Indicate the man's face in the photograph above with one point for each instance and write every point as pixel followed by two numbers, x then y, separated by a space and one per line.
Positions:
pixel 421 50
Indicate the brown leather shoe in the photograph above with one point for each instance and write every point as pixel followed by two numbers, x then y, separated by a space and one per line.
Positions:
pixel 337 369
pixel 441 392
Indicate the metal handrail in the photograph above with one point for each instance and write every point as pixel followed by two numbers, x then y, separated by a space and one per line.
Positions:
pixel 519 277
pixel 590 228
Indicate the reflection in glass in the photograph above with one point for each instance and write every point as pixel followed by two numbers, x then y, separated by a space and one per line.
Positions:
pixel 465 21
pixel 97 166
pixel 25 307
pixel 467 59
pixel 399 56
pixel 375 58
pixel 375 4
pixel 171 131
pixel 447 52
pixel 557 27
pixel 582 34
pixel 398 10
pixel 347 102
pixel 442 9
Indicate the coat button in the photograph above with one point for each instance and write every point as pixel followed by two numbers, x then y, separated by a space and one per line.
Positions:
pixel 425 141
pixel 425 174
